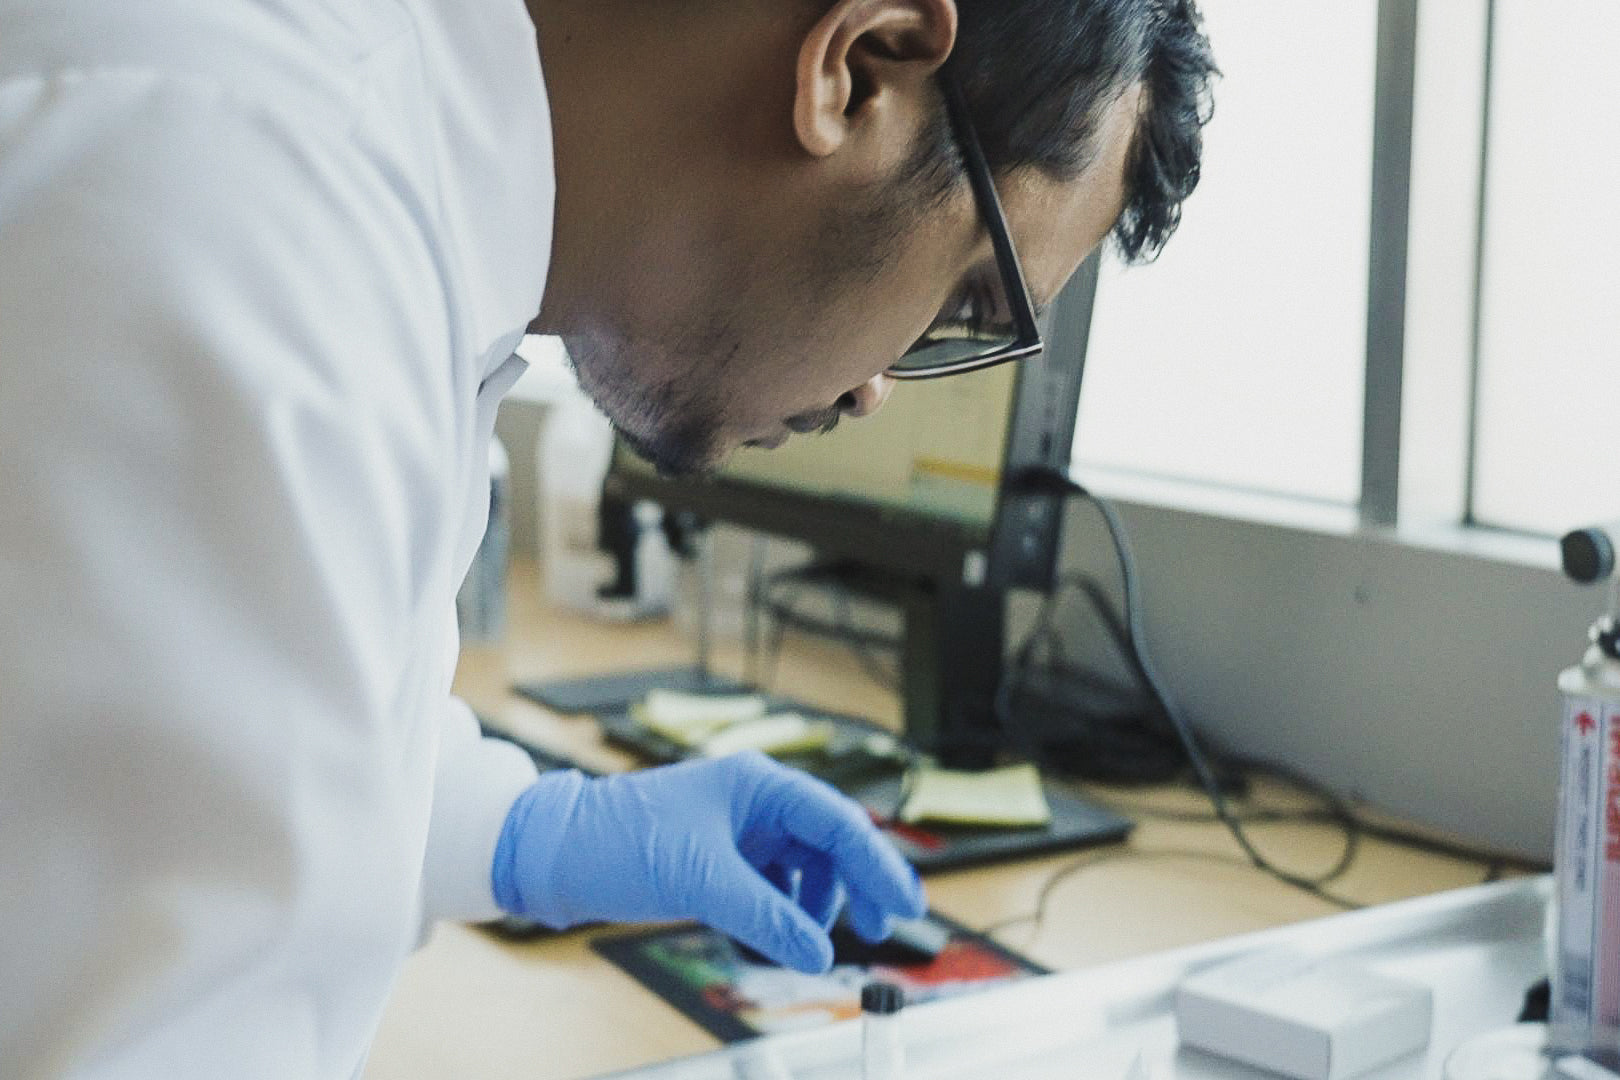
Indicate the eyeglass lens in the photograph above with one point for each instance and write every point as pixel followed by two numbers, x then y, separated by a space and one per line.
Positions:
pixel 977 319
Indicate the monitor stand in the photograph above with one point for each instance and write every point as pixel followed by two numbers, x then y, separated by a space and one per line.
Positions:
pixel 952 656
pixel 953 663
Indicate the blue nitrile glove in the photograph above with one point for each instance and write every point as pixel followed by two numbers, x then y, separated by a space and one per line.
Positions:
pixel 717 841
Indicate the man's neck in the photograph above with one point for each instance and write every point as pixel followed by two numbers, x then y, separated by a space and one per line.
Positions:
pixel 579 64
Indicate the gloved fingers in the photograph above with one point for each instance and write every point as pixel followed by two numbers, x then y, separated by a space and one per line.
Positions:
pixel 743 905
pixel 871 923
pixel 820 893
pixel 868 864
pixel 805 875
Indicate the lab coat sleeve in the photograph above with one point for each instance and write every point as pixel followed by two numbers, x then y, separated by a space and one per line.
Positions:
pixel 475 784
pixel 225 422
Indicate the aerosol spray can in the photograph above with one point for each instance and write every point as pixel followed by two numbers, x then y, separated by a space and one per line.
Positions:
pixel 1585 928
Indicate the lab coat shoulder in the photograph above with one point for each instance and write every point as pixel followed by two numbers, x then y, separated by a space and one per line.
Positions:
pixel 224 416
pixel 168 248
pixel 306 58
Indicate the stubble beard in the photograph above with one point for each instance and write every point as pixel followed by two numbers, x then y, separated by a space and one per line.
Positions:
pixel 675 423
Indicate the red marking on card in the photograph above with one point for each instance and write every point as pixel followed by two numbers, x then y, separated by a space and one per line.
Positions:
pixel 961 962
pixel 921 838
pixel 1584 723
pixel 918 837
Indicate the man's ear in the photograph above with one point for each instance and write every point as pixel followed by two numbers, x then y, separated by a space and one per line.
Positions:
pixel 861 60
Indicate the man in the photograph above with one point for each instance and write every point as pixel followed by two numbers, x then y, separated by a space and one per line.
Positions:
pixel 263 266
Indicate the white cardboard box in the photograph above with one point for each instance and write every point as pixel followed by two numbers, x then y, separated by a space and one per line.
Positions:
pixel 1303 1017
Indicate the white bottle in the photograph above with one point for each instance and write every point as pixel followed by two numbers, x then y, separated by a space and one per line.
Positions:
pixel 1584 925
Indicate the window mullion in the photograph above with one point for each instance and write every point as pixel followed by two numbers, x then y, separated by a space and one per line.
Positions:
pixel 1386 270
pixel 1476 331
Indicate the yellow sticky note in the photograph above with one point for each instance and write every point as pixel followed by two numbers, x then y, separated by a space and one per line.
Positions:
pixel 1010 796
pixel 689 719
pixel 779 734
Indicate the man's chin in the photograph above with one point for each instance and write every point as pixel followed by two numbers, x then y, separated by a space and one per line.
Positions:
pixel 674 459
pixel 675 426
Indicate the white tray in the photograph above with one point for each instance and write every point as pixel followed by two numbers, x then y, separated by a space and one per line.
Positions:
pixel 1480 949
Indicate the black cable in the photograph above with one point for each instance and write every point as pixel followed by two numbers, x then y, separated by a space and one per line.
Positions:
pixel 779 595
pixel 834 629
pixel 1090 861
pixel 1434 845
pixel 1105 614
pixel 1493 873
pixel 1494 869
pixel 1086 724
pixel 1078 721
pixel 1045 622
pixel 1335 811
pixel 1189 741
pixel 862 644
pixel 1499 861
pixel 755 599
pixel 872 664
pixel 1268 815
pixel 1051 480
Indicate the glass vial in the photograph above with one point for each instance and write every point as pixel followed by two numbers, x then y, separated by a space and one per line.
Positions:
pixel 883 1052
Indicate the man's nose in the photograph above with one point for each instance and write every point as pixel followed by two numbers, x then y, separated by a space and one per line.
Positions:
pixel 866 398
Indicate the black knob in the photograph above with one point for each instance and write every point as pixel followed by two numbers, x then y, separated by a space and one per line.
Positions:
pixel 1606 636
pixel 882 998
pixel 1588 555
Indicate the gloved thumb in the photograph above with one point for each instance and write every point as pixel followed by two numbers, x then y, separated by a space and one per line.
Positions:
pixel 741 904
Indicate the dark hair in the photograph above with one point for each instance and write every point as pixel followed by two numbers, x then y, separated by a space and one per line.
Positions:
pixel 1038 76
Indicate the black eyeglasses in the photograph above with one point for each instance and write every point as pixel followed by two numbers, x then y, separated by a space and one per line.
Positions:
pixel 989 321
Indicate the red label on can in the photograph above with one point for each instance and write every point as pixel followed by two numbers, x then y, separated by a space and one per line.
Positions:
pixel 1611 799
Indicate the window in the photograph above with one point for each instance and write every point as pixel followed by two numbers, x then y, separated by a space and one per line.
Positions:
pixel 1240 358
pixel 1549 361
pixel 1237 358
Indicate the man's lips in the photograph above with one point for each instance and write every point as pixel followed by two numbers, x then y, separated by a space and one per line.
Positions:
pixel 819 422
pixel 811 423
pixel 770 442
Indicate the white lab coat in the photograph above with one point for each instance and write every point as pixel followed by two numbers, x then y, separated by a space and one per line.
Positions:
pixel 263 265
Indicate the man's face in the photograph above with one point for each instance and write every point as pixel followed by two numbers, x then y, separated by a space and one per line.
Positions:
pixel 754 301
